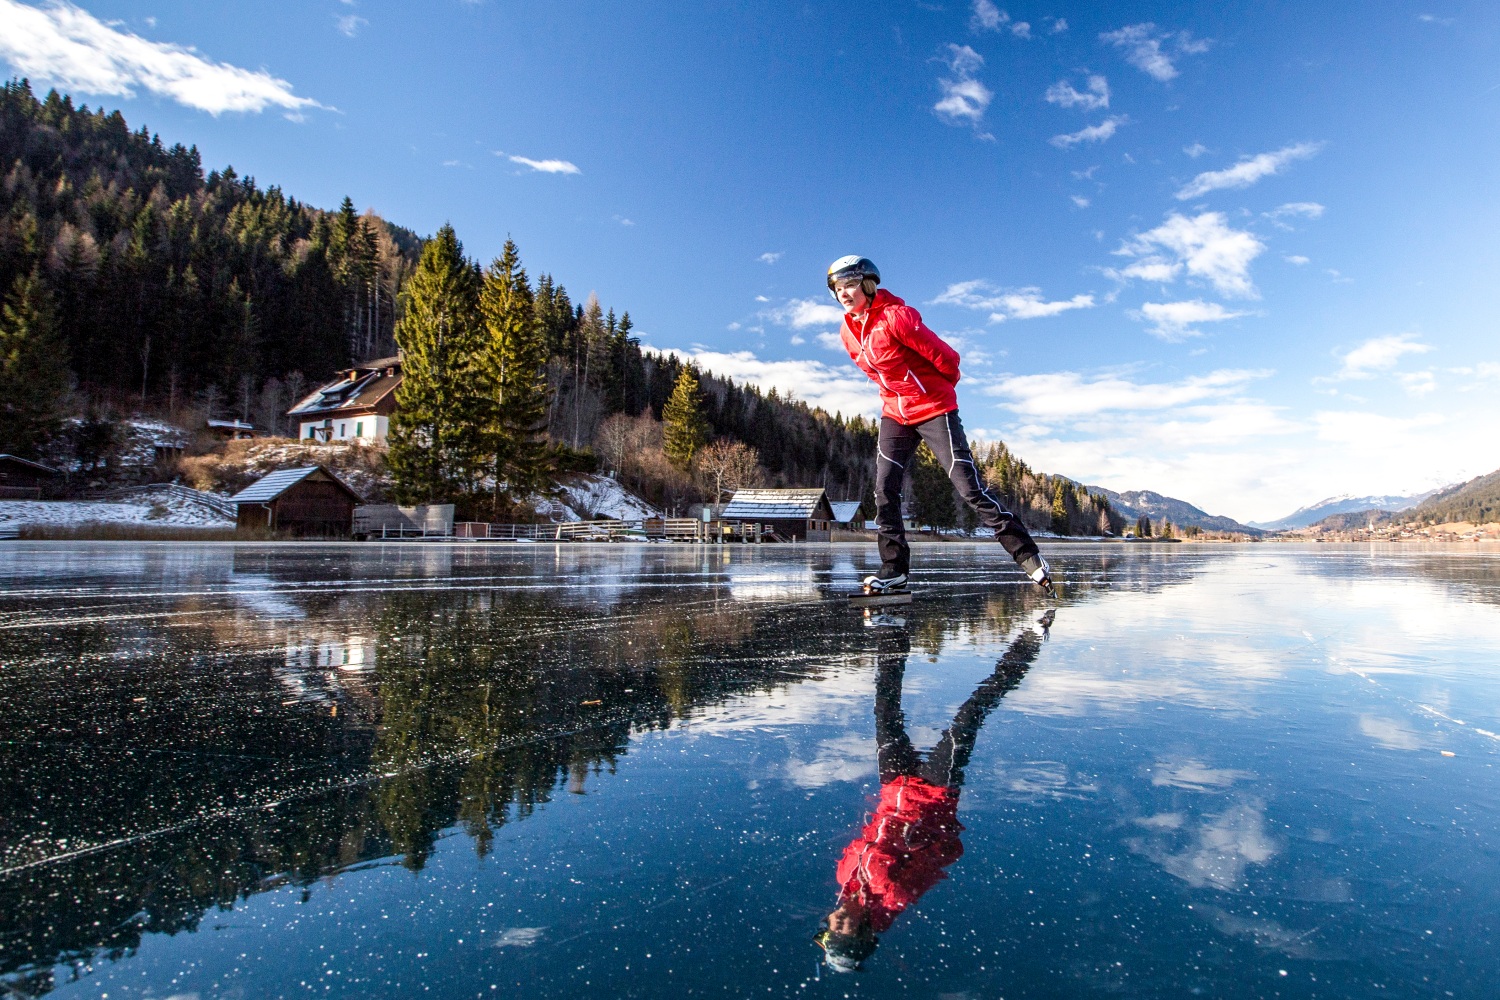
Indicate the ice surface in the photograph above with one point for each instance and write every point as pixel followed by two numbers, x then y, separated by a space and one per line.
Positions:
pixel 569 770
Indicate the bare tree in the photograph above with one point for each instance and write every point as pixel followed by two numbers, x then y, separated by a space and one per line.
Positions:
pixel 726 466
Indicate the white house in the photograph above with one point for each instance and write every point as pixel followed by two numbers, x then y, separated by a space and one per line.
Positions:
pixel 357 406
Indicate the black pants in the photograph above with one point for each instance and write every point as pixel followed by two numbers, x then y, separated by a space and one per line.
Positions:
pixel 944 764
pixel 945 436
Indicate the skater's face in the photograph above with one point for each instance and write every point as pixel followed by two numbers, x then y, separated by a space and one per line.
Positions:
pixel 850 295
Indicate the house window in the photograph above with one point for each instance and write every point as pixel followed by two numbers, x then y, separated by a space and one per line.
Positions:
pixel 359 429
pixel 343 430
pixel 312 432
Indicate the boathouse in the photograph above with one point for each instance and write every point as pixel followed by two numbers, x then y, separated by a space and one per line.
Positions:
pixel 307 501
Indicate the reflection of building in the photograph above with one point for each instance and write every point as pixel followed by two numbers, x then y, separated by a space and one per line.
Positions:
pixel 330 671
pixel 306 501
pixel 798 514
pixel 355 407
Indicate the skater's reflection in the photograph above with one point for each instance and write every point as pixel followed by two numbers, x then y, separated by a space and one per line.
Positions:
pixel 914 834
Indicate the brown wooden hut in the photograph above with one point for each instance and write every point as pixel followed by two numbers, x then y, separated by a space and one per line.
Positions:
pixel 23 479
pixel 306 501
pixel 804 515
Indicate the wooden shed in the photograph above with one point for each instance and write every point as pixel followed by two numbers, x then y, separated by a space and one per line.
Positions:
pixel 804 515
pixel 846 514
pixel 23 479
pixel 306 501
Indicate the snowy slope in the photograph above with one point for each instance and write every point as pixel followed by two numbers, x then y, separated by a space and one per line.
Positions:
pixel 147 507
pixel 590 497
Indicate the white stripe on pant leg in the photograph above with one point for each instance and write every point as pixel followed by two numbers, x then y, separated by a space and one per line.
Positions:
pixel 887 457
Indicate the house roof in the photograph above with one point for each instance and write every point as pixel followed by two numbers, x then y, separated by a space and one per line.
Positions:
pixel 369 386
pixel 271 486
pixel 778 504
pixel 28 463
pixel 844 511
pixel 237 425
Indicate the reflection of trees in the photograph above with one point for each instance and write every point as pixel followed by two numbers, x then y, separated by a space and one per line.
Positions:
pixel 487 708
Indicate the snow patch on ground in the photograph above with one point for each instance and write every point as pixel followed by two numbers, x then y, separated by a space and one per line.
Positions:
pixel 154 508
pixel 590 497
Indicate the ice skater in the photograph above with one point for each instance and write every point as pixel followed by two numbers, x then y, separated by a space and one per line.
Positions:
pixel 916 372
pixel 914 835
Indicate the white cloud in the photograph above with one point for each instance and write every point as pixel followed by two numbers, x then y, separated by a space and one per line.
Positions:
pixel 1206 247
pixel 964 98
pixel 546 166
pixel 1146 49
pixel 761 298
pixel 1059 25
pixel 1058 396
pixel 837 388
pixel 770 258
pixel 1080 200
pixel 1305 209
pixel 1063 94
pixel 1378 354
pixel 1174 321
pixel 1196 150
pixel 1022 303
pixel 797 340
pixel 70 48
pixel 1295 258
pixel 1418 383
pixel 1246 172
pixel 800 314
pixel 349 24
pixel 832 341
pixel 1092 133
pixel 623 221
pixel 1157 269
pixel 988 17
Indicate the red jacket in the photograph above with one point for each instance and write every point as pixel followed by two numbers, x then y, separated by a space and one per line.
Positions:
pixel 902 851
pixel 915 370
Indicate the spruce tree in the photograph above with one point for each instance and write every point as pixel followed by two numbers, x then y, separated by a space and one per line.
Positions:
pixel 512 365
pixel 932 491
pixel 33 368
pixel 436 438
pixel 1059 507
pixel 684 430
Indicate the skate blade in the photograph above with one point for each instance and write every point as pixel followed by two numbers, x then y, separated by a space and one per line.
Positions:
pixel 863 600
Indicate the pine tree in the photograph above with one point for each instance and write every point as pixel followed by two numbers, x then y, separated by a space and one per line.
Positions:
pixel 33 368
pixel 684 430
pixel 1059 507
pixel 436 439
pixel 513 364
pixel 932 491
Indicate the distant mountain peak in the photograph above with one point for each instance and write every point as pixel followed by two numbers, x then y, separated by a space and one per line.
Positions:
pixel 1343 503
pixel 1148 503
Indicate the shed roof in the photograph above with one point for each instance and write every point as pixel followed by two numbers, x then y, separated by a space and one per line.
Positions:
pixel 844 511
pixel 27 463
pixel 772 505
pixel 271 486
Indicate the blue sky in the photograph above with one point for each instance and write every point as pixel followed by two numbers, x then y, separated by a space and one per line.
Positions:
pixel 1241 254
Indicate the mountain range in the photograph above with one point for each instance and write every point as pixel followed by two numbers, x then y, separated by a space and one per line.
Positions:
pixel 1135 504
pixel 1344 503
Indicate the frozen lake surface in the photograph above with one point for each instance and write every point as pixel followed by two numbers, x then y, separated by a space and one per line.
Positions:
pixel 632 770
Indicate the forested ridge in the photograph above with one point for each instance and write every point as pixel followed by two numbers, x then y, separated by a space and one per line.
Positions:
pixel 136 284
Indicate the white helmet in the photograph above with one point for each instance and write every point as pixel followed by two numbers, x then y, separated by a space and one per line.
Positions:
pixel 854 266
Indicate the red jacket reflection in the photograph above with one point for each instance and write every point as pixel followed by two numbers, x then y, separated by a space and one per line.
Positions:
pixel 902 851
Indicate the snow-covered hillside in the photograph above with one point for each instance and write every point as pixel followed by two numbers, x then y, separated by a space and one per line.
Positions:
pixel 589 497
pixel 162 508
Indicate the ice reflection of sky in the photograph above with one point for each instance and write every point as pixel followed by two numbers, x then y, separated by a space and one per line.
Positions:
pixel 1244 771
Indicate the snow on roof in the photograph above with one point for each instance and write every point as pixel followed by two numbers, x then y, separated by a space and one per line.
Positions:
pixel 844 510
pixel 775 504
pixel 272 486
pixel 28 463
